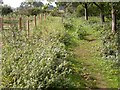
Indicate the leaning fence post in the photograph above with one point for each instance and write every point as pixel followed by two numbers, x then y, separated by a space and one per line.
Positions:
pixel 28 27
pixel 44 16
pixel 40 18
pixel 2 23
pixel 24 23
pixel 20 23
pixel 10 21
pixel 62 18
pixel 35 20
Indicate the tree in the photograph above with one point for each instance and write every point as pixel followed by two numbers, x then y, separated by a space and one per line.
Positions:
pixel 24 5
pixel 6 10
pixel 1 1
pixel 113 12
pixel 30 8
pixel 37 4
pixel 34 11
pixel 32 3
pixel 86 11
pixel 86 5
pixel 101 7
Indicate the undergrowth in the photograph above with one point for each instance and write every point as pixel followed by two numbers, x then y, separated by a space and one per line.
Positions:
pixel 46 59
pixel 39 61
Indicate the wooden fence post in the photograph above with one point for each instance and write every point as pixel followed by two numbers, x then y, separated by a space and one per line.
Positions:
pixel 44 16
pixel 40 18
pixel 35 21
pixel 10 21
pixel 2 23
pixel 28 27
pixel 24 23
pixel 20 23
pixel 62 18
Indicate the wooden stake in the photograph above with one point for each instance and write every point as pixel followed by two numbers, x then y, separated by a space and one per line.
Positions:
pixel 35 21
pixel 2 23
pixel 62 18
pixel 28 26
pixel 20 23
pixel 113 18
pixel 10 21
pixel 40 18
pixel 44 16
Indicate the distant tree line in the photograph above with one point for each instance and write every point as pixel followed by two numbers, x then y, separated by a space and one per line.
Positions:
pixel 110 10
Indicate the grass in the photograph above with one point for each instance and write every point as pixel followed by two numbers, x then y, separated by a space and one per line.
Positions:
pixel 90 69
pixel 97 72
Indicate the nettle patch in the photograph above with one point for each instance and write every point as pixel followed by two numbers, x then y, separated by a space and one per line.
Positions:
pixel 81 32
pixel 39 61
pixel 68 24
pixel 110 45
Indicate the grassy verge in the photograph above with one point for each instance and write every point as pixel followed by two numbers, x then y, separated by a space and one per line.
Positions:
pixel 95 71
pixel 90 70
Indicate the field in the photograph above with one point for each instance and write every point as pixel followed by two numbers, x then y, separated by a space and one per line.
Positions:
pixel 58 54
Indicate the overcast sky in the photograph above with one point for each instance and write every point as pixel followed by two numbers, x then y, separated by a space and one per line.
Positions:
pixel 13 3
pixel 16 3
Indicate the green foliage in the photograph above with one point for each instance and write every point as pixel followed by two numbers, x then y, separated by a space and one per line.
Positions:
pixel 110 44
pixel 94 21
pixel 80 11
pixel 81 32
pixel 6 10
pixel 68 25
pixel 68 40
pixel 9 22
pixel 116 5
pixel 70 36
pixel 39 61
pixel 93 10
pixel 31 3
pixel 34 11
pixel 30 11
pixel 95 24
pixel 55 12
pixel 71 10
pixel 30 8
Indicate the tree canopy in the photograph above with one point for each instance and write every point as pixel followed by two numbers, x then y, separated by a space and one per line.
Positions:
pixel 6 10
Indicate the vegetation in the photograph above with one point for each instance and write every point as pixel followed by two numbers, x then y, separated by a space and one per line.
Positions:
pixel 6 10
pixel 42 64
pixel 68 50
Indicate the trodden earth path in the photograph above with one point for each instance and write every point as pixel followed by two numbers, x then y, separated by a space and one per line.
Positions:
pixel 96 71
pixel 87 53
pixel 91 70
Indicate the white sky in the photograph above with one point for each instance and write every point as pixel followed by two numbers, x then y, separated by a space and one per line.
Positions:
pixel 13 3
pixel 16 3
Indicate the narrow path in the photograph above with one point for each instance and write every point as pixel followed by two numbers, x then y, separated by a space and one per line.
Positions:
pixel 88 54
pixel 89 67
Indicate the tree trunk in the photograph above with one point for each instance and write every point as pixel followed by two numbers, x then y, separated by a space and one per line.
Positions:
pixel 101 8
pixel 86 12
pixel 102 16
pixel 102 13
pixel 113 20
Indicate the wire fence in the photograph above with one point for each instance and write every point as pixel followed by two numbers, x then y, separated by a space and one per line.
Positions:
pixel 26 23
